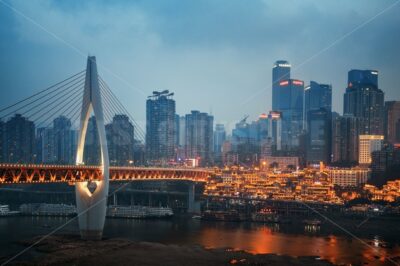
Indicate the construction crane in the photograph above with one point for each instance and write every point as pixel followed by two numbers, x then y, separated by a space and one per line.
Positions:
pixel 244 119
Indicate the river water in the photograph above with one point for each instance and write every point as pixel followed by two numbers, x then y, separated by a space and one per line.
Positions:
pixel 292 239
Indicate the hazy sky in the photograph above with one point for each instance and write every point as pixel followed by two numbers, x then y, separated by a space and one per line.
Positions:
pixel 215 55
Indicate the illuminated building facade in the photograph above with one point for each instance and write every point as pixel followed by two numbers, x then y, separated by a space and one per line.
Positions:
pixel 349 177
pixel 281 162
pixel 369 144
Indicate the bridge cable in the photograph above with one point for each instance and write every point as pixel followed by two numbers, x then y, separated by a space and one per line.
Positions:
pixel 72 104
pixel 114 106
pixel 55 89
pixel 48 94
pixel 48 106
pixel 117 108
pixel 116 101
pixel 40 92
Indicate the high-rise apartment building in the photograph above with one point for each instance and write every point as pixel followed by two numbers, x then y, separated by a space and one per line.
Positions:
pixel 19 140
pixel 160 127
pixel 199 137
pixel 65 141
pixel 345 132
pixel 369 144
pixel 91 153
pixel 120 141
pixel 392 122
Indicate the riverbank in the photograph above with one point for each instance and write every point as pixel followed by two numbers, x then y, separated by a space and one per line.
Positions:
pixel 71 250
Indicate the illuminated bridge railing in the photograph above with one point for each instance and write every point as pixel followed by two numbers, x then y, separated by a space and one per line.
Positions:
pixel 32 173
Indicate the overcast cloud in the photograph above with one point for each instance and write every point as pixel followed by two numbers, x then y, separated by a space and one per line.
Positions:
pixel 215 55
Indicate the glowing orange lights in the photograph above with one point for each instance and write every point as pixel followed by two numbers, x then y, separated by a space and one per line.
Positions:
pixel 284 83
pixel 18 174
pixel 298 82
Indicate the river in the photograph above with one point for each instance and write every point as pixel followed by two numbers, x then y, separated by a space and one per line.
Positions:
pixel 291 239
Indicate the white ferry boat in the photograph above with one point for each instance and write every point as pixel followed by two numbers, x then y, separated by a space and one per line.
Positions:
pixel 44 209
pixel 139 212
pixel 5 211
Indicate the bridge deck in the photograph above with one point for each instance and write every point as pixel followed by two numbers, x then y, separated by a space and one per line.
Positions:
pixel 33 173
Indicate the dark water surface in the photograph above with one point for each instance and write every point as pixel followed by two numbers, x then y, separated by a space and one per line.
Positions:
pixel 291 239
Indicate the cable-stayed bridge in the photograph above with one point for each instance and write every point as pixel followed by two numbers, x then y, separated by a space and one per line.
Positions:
pixel 85 101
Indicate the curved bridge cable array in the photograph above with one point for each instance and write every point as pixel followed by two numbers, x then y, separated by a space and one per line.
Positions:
pixel 31 104
pixel 114 106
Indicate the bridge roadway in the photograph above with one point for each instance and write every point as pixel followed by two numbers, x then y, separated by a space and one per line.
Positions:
pixel 41 173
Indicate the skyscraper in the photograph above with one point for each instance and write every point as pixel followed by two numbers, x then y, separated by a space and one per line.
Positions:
pixel 318 142
pixel 120 141
pixel 345 132
pixel 199 137
pixel 317 96
pixel 45 146
pixel 64 140
pixel 363 99
pixel 317 122
pixel 392 122
pixel 19 140
pixel 280 71
pixel 289 99
pixel 160 127
pixel 219 138
pixel 275 129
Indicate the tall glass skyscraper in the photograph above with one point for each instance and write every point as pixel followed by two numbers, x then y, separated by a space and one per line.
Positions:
pixel 280 71
pixel 317 122
pixel 317 96
pixel 318 140
pixel 363 99
pixel 160 127
pixel 219 138
pixel 289 101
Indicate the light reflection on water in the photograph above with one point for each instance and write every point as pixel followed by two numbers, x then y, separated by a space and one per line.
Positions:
pixel 254 238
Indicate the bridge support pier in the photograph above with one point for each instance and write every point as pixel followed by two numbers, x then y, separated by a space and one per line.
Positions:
pixel 193 206
pixel 91 208
pixel 91 197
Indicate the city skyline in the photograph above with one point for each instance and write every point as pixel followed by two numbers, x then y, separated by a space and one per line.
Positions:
pixel 257 132
pixel 196 66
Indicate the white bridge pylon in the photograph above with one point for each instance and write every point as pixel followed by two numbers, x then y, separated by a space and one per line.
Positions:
pixel 91 197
